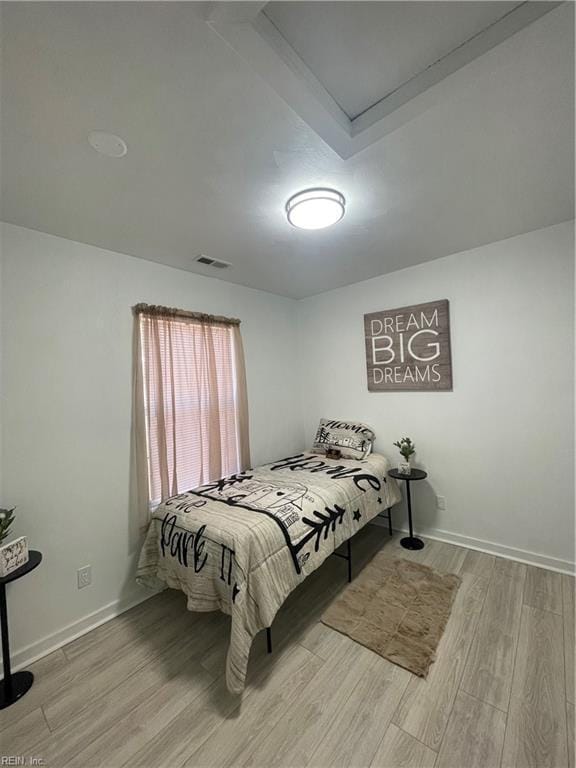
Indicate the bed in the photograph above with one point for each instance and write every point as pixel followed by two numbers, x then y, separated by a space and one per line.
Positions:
pixel 243 543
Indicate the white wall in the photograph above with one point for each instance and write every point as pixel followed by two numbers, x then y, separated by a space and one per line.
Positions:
pixel 500 446
pixel 66 400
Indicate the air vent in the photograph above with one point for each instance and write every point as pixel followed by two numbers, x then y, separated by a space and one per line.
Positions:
pixel 202 259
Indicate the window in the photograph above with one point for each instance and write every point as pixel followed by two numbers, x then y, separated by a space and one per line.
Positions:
pixel 193 398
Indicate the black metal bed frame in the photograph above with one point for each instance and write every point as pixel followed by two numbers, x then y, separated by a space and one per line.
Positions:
pixel 348 557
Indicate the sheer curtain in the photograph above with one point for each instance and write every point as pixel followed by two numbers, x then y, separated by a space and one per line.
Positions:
pixel 190 405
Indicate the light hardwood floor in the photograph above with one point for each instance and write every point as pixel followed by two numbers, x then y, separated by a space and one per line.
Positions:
pixel 147 688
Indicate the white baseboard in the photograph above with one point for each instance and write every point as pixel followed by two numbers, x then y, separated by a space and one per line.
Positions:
pixel 491 548
pixel 37 650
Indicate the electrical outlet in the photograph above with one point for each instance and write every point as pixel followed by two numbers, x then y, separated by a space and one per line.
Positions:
pixel 84 576
pixel 441 502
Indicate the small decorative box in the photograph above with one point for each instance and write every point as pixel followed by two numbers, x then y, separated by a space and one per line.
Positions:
pixel 13 555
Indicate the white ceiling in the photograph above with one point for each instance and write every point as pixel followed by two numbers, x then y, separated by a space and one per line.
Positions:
pixel 214 152
pixel 363 51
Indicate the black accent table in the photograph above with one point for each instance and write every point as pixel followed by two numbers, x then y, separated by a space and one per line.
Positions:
pixel 410 542
pixel 14 686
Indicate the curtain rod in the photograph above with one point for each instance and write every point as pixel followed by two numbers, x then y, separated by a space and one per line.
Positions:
pixel 155 309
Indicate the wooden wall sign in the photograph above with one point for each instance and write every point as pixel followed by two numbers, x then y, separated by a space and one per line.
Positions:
pixel 408 349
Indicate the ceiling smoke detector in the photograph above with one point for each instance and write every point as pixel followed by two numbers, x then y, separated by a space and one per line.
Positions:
pixel 107 144
pixel 315 208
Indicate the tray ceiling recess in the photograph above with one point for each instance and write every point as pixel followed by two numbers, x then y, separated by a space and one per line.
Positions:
pixel 356 71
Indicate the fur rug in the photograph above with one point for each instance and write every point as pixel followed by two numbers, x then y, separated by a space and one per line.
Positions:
pixel 398 609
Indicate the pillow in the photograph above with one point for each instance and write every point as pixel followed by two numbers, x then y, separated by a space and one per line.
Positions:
pixel 352 438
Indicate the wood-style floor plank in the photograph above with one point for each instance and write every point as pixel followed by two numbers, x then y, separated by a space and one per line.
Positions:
pixel 427 703
pixel 46 671
pixel 400 750
pixel 318 638
pixel 543 589
pixel 306 720
pixel 446 558
pixel 536 729
pixel 570 715
pixel 488 671
pixel 195 723
pixel 569 630
pixel 432 551
pixel 92 722
pixel 263 711
pixel 474 736
pixel 505 567
pixel 107 670
pixel 17 735
pixel 353 736
pixel 125 628
pixel 479 563
pixel 129 734
pixel 65 688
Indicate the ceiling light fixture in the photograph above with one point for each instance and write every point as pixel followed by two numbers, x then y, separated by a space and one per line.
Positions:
pixel 315 208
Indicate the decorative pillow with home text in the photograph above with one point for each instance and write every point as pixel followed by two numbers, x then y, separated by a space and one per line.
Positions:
pixel 352 438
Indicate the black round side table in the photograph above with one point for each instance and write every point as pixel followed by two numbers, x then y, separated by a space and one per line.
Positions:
pixel 14 686
pixel 410 542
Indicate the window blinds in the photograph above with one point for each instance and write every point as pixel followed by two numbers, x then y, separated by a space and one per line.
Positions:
pixel 190 397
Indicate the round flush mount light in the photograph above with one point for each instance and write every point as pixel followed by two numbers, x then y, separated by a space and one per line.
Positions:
pixel 107 144
pixel 315 208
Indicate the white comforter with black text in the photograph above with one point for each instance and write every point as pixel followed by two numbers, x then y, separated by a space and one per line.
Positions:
pixel 243 543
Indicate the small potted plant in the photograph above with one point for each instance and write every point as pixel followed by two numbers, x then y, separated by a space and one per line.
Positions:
pixel 15 554
pixel 407 449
